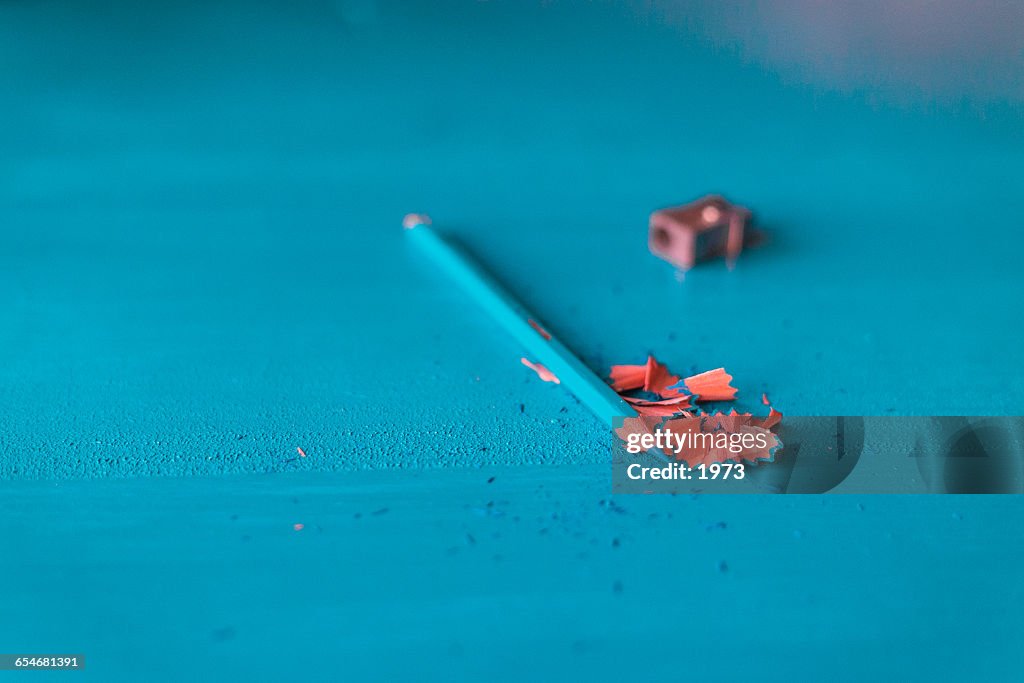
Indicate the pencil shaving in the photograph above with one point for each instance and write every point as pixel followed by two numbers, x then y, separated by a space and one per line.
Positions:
pixel 712 385
pixel 652 377
pixel 541 371
pixel 698 437
pixel 540 330
pixel 662 407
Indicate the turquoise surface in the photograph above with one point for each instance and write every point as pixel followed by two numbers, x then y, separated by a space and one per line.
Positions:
pixel 202 270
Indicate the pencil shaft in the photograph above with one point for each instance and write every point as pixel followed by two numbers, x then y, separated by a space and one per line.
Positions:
pixel 541 346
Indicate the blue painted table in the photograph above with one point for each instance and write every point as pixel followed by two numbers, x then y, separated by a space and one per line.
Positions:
pixel 202 270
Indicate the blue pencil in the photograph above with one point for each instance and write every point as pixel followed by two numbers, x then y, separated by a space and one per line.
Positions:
pixel 540 345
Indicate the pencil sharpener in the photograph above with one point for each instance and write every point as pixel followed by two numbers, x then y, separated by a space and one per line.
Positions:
pixel 707 228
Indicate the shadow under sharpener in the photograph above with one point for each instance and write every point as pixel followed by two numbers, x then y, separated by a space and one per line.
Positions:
pixel 707 228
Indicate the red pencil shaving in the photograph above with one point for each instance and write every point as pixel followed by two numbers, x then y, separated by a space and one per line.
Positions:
pixel 541 371
pixel 540 330
pixel 712 385
pixel 663 408
pixel 673 396
pixel 301 452
pixel 652 376
pixel 675 402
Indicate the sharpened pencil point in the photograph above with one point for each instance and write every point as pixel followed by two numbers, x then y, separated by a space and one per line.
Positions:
pixel 413 220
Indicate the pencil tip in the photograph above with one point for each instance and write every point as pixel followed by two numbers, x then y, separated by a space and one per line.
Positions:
pixel 413 220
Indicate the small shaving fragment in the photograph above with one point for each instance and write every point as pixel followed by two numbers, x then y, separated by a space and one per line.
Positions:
pixel 645 424
pixel 652 377
pixel 712 385
pixel 774 418
pixel 664 407
pixel 540 330
pixel 541 371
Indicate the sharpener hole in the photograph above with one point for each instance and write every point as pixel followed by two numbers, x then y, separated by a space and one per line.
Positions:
pixel 660 238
